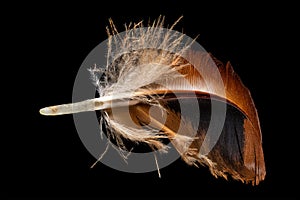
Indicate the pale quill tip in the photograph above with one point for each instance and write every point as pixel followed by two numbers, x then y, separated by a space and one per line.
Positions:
pixel 86 105
pixel 49 111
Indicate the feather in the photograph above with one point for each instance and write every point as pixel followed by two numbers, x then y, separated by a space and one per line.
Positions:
pixel 152 72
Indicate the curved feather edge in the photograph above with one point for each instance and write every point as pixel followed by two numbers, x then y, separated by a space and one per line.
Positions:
pixel 238 93
pixel 251 167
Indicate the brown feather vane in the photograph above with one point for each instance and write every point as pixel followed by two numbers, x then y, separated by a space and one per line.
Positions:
pixel 174 92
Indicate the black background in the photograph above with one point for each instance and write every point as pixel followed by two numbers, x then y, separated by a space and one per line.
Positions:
pixel 44 157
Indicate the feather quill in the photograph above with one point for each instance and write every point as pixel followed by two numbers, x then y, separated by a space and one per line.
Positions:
pixel 147 73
